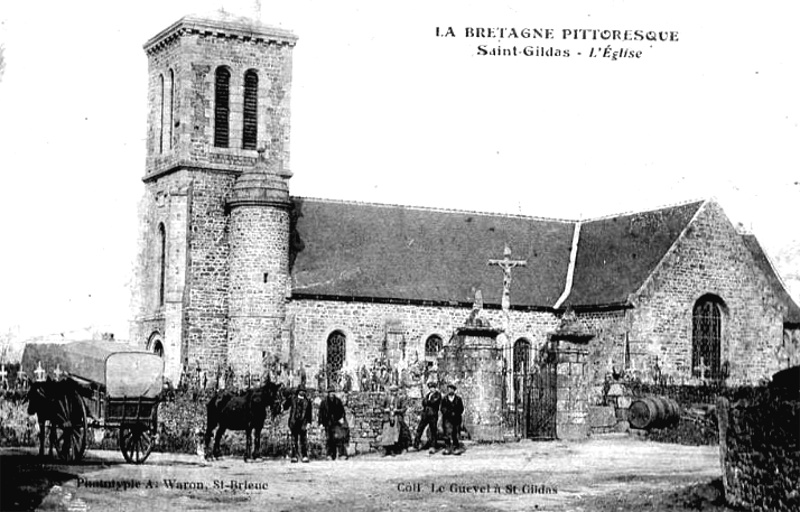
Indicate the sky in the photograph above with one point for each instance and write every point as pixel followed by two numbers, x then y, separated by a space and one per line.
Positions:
pixel 385 111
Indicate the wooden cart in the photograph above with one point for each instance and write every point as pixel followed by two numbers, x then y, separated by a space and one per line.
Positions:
pixel 99 385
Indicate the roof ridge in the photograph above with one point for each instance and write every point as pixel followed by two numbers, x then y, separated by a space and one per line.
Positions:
pixel 637 212
pixel 437 209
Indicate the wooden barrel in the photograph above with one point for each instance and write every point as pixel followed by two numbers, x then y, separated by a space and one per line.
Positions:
pixel 653 412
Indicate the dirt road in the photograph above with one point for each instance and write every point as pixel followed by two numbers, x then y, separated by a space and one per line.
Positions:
pixel 616 473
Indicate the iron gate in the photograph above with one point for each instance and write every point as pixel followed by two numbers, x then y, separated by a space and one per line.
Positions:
pixel 533 412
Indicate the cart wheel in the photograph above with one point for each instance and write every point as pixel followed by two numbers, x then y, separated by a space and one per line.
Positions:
pixel 69 428
pixel 136 443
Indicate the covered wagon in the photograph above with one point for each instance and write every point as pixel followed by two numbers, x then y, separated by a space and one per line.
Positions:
pixel 97 384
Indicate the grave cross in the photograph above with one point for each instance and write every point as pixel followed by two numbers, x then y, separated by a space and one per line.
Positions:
pixel 58 372
pixel 506 264
pixel 39 372
pixel 703 367
pixel 3 374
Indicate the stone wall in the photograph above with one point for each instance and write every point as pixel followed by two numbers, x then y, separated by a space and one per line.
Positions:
pixel 759 440
pixel 365 326
pixel 709 259
pixel 572 391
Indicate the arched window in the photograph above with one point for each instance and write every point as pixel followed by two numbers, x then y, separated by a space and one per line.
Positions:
pixel 250 119
pixel 707 336
pixel 222 83
pixel 162 262
pixel 161 113
pixel 171 106
pixel 432 347
pixel 522 356
pixel 335 355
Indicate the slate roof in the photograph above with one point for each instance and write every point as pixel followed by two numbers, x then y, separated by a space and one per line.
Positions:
pixel 616 254
pixel 366 251
pixel 764 263
pixel 349 249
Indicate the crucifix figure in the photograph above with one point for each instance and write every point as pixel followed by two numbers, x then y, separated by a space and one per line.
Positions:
pixel 506 264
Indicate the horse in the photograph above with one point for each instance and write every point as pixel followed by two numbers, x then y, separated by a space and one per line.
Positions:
pixel 248 411
pixel 47 400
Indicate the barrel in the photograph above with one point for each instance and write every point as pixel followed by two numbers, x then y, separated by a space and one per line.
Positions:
pixel 653 412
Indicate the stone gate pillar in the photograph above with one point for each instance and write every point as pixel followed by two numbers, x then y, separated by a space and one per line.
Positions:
pixel 570 343
pixel 473 361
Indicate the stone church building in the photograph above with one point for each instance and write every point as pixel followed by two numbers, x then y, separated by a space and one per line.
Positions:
pixel 233 269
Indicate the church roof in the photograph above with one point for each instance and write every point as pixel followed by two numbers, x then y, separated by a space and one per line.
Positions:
pixel 616 254
pixel 361 250
pixel 370 251
pixel 764 263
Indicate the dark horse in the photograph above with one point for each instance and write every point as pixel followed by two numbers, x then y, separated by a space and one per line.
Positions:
pixel 246 411
pixel 52 402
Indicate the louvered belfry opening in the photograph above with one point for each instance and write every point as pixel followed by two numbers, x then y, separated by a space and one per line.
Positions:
pixel 250 122
pixel 706 337
pixel 222 107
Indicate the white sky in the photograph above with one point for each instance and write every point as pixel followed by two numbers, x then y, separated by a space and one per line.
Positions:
pixel 384 111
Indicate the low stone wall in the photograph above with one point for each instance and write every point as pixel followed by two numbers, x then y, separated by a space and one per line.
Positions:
pixel 759 439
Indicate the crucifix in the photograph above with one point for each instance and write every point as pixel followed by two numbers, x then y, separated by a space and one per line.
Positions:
pixel 39 372
pixel 506 264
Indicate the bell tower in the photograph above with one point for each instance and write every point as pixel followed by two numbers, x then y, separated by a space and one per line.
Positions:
pixel 219 91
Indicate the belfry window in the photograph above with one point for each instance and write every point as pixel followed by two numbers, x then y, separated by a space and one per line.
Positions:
pixel 171 119
pixel 250 118
pixel 222 82
pixel 161 113
pixel 707 337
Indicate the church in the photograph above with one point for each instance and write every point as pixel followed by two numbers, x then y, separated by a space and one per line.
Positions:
pixel 233 270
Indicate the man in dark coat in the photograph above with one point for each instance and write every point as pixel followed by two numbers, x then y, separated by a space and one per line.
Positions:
pixel 430 416
pixel 332 417
pixel 299 418
pixel 452 410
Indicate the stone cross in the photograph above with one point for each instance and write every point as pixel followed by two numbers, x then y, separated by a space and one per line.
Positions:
pixel 58 372
pixel 3 374
pixel 703 367
pixel 506 264
pixel 39 372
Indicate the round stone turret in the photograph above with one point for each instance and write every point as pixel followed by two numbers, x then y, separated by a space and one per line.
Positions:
pixel 259 266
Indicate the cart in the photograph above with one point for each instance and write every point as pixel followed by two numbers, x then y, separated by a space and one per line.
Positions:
pixel 96 384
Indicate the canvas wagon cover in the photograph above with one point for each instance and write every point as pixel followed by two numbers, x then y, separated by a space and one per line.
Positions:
pixel 87 360
pixel 134 374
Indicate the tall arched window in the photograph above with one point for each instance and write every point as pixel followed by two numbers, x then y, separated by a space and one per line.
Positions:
pixel 171 106
pixel 161 113
pixel 707 336
pixel 250 119
pixel 432 347
pixel 522 356
pixel 162 262
pixel 222 83
pixel 335 355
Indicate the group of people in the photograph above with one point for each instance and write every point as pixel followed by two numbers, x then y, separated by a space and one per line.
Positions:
pixel 395 434
pixel 331 416
pixel 451 408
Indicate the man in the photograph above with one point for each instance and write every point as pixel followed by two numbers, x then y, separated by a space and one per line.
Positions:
pixel 452 409
pixel 299 418
pixel 430 417
pixel 332 417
